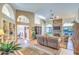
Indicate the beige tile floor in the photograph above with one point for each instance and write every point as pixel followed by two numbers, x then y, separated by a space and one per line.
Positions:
pixel 50 51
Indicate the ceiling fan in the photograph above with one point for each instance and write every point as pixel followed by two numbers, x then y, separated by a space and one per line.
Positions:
pixel 52 15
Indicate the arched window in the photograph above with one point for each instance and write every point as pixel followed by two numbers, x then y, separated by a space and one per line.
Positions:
pixel 23 19
pixel 7 10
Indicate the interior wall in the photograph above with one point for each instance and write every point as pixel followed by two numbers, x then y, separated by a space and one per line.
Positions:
pixel 1 15
pixel 37 20
pixel 43 25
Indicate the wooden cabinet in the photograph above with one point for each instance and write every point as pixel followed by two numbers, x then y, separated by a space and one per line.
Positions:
pixel 75 38
pixel 6 30
pixel 38 30
pixel 9 30
pixel 12 31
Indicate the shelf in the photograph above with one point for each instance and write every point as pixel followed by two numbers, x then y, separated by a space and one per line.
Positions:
pixel 57 27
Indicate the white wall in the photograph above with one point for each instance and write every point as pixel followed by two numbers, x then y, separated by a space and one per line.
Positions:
pixel 68 20
pixel 37 19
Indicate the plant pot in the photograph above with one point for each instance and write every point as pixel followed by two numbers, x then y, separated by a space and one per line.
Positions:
pixel 7 53
pixel 4 53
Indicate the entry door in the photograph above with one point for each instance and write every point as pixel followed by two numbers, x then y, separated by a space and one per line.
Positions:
pixel 23 35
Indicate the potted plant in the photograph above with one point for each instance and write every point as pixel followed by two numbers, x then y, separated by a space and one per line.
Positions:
pixel 33 33
pixel 7 48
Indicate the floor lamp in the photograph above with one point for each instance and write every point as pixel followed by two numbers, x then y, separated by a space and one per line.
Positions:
pixel 1 34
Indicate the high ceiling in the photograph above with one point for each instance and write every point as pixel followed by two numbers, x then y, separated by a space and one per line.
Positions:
pixel 63 10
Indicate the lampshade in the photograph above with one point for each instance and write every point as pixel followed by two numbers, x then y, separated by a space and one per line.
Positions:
pixel 1 32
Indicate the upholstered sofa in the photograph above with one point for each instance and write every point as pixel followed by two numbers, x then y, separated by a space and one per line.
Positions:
pixel 53 42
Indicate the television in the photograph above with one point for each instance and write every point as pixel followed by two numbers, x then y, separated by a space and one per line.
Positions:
pixel 56 28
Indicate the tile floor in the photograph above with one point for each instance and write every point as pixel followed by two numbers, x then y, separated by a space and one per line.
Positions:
pixel 68 51
pixel 70 48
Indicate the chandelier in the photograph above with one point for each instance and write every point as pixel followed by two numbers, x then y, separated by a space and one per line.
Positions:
pixel 53 16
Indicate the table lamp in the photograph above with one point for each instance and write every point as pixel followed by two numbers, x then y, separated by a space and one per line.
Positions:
pixel 1 32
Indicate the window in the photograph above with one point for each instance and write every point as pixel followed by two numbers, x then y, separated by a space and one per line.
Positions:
pixel 49 29
pixel 23 19
pixel 7 10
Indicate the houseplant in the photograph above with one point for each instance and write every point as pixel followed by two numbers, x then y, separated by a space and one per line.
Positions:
pixel 7 48
pixel 33 33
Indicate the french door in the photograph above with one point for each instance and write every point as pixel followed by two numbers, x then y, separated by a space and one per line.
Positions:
pixel 23 35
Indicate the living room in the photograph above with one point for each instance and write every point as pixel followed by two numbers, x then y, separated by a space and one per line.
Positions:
pixel 40 29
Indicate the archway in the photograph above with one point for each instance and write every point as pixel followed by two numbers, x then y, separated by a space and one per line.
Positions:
pixel 23 30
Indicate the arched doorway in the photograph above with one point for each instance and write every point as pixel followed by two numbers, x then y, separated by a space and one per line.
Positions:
pixel 23 31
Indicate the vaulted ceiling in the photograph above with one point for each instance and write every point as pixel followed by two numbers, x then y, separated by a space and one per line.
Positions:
pixel 64 10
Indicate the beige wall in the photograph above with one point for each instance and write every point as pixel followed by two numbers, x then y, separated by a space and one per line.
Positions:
pixel 30 16
pixel 1 15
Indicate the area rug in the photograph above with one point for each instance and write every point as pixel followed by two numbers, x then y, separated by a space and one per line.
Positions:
pixel 36 50
pixel 33 51
pixel 48 50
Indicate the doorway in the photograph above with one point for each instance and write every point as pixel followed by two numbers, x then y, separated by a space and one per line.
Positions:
pixel 23 35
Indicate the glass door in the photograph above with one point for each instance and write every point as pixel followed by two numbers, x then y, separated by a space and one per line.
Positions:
pixel 23 35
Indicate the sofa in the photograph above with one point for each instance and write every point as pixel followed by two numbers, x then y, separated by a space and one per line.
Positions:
pixel 53 42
